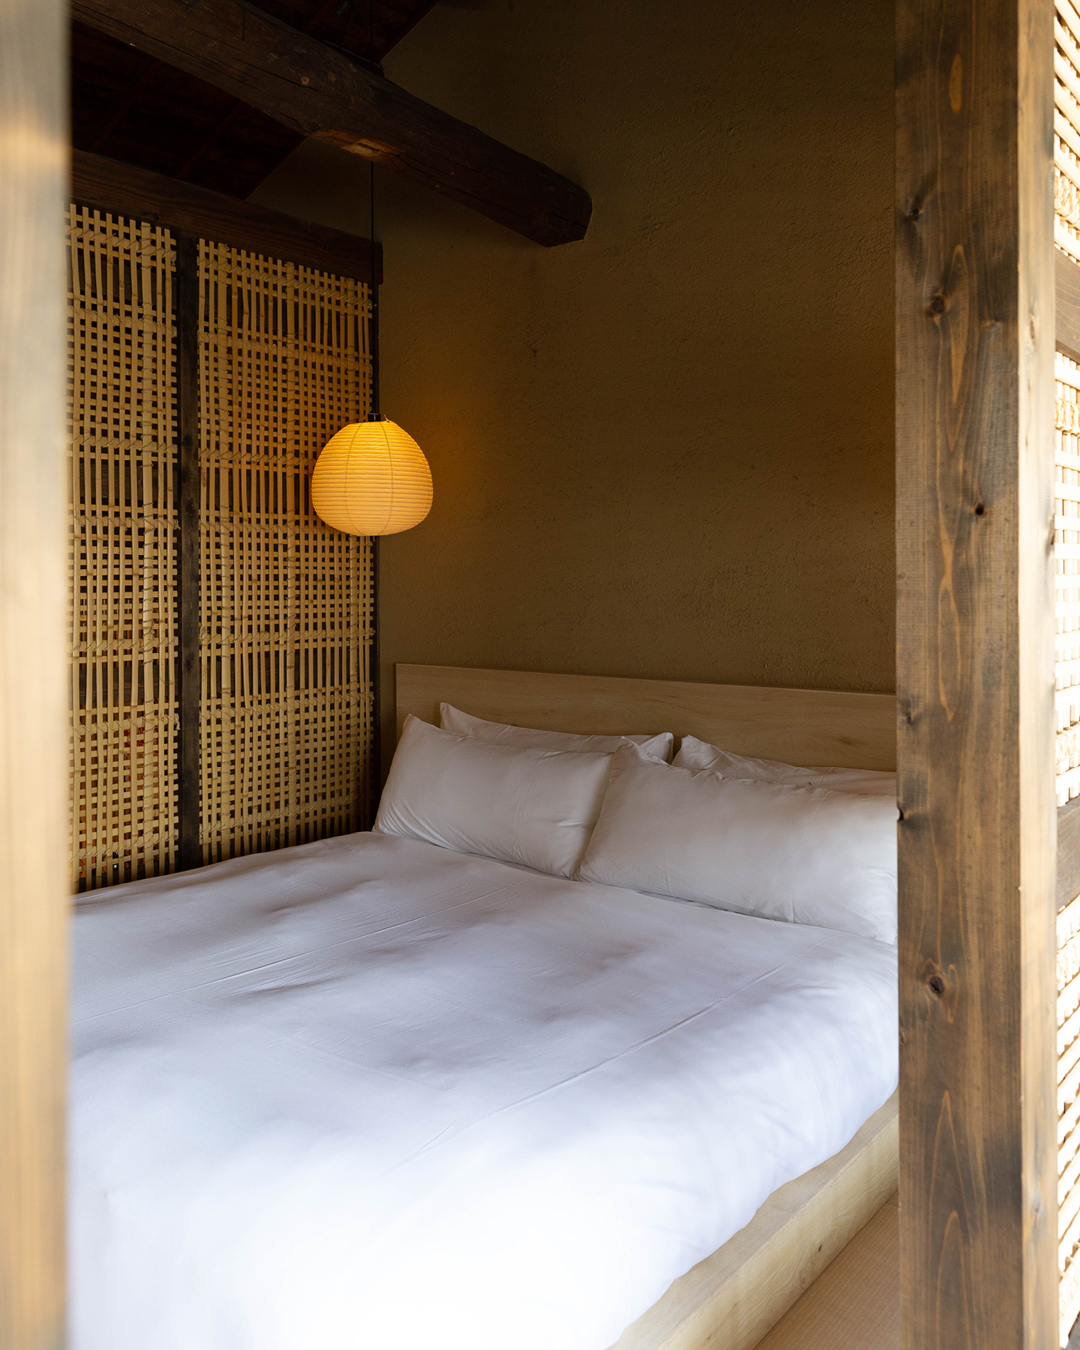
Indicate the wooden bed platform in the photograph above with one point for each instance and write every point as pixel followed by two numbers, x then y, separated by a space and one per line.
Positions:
pixel 734 1297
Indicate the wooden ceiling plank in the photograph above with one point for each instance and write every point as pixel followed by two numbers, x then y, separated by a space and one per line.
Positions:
pixel 323 12
pixel 314 89
pixel 124 190
pixel 208 142
pixel 123 106
pixel 171 119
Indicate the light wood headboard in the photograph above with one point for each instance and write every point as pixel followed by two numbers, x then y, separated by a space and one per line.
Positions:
pixel 798 726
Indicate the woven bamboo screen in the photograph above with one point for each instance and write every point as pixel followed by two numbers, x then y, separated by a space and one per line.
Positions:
pixel 1068 1043
pixel 1067 575
pixel 1067 526
pixel 1067 654
pixel 123 550
pixel 286 603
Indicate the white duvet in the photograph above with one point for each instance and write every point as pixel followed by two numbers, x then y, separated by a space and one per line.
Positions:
pixel 368 1094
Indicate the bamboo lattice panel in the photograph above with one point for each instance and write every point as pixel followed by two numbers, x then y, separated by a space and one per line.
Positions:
pixel 1067 526
pixel 1068 1044
pixel 1066 124
pixel 123 536
pixel 1067 576
pixel 286 601
pixel 1067 651
pixel 1067 128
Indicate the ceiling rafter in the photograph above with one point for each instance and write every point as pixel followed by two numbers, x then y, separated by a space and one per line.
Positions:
pixel 123 106
pixel 318 91
pixel 123 190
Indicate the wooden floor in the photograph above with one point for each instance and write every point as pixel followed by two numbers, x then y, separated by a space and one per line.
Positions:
pixel 854 1304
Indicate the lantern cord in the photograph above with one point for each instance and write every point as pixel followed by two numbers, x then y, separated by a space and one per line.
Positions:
pixel 374 655
pixel 375 415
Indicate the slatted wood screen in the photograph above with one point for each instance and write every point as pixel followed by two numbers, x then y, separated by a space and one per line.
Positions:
pixel 286 602
pixel 287 620
pixel 1067 655
pixel 1068 982
pixel 1067 576
pixel 123 550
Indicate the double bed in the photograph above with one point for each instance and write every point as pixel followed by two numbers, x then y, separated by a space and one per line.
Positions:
pixel 371 1092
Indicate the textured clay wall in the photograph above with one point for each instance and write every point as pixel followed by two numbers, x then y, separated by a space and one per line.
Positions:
pixel 666 450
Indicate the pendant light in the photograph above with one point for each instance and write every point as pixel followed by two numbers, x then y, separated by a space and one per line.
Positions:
pixel 371 477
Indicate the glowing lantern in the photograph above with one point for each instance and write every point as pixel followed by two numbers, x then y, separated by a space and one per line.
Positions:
pixel 371 478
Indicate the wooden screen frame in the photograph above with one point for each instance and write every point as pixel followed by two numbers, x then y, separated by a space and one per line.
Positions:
pixel 797 726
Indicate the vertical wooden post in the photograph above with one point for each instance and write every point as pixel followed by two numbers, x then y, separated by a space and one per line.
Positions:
pixel 189 559
pixel 33 607
pixel 975 391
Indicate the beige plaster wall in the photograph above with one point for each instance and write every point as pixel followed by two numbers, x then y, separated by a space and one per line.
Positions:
pixel 666 450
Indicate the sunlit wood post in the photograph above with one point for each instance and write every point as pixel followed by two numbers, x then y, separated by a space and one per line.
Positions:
pixel 33 659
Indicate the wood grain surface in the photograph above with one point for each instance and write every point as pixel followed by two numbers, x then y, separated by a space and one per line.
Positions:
pixel 124 190
pixel 732 1298
pixel 975 447
pixel 799 726
pixel 855 1303
pixel 310 87
pixel 33 656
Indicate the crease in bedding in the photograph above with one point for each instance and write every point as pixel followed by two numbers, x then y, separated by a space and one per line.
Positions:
pixel 382 1096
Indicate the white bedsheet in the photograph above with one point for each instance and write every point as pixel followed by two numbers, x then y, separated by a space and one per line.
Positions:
pixel 368 1094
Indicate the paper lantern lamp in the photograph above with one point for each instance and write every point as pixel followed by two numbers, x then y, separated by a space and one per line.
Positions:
pixel 371 478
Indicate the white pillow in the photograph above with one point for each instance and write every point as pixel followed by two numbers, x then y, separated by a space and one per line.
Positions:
pixel 695 754
pixel 805 854
pixel 453 719
pixel 535 807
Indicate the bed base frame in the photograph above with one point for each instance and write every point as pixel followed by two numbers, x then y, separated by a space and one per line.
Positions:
pixel 730 1300
pixel 798 726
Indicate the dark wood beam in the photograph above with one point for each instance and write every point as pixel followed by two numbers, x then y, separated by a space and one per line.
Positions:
pixel 208 141
pixel 977 835
pixel 310 87
pixel 124 190
pixel 122 106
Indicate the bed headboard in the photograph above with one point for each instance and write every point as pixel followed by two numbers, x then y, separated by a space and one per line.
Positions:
pixel 798 726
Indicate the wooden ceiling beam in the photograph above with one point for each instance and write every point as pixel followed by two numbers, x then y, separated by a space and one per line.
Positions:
pixel 319 92
pixel 123 190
